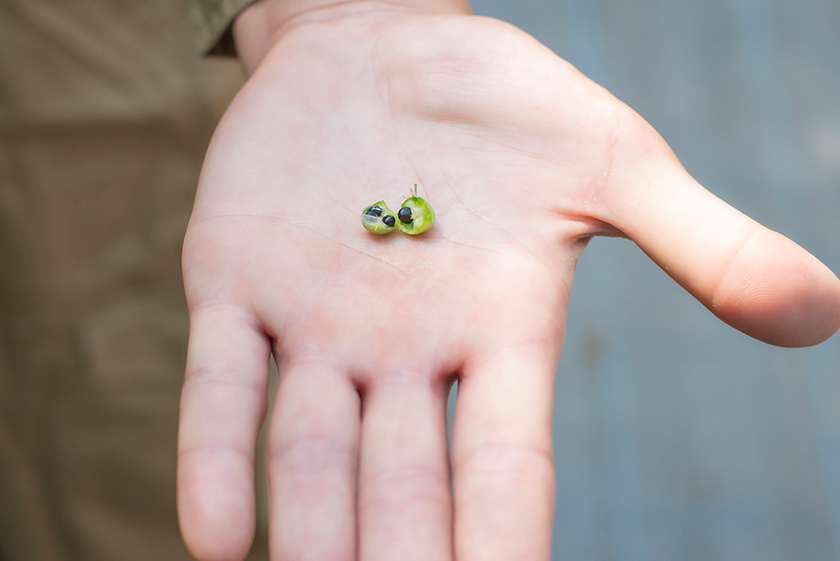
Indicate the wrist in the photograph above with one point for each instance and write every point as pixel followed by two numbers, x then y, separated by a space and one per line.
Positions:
pixel 262 23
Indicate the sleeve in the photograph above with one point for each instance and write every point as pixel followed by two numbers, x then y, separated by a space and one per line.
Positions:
pixel 211 21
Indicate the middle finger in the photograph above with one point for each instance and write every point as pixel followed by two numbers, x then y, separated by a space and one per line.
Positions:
pixel 405 506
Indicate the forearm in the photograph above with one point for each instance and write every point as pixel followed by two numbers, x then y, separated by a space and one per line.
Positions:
pixel 261 23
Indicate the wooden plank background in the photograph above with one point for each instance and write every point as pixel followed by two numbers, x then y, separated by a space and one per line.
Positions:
pixel 677 437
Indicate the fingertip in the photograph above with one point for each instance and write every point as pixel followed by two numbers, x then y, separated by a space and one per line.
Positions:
pixel 216 508
pixel 779 293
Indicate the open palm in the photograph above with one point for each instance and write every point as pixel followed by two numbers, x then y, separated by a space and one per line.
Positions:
pixel 523 160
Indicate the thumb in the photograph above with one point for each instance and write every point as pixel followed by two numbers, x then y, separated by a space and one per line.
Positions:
pixel 751 277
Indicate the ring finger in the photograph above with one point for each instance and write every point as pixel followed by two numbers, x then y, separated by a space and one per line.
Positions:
pixel 312 467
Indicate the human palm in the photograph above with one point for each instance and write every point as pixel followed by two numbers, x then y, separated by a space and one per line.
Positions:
pixel 524 160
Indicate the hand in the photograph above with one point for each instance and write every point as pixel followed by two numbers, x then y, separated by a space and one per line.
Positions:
pixel 524 160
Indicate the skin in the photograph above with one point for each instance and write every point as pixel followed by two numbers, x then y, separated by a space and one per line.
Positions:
pixel 525 160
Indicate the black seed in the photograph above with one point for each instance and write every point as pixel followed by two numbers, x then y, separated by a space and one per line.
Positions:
pixel 374 210
pixel 404 215
pixel 389 220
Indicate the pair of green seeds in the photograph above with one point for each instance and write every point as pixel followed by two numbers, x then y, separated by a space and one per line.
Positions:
pixel 414 217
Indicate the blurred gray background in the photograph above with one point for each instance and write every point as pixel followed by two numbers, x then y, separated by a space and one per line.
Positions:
pixel 677 437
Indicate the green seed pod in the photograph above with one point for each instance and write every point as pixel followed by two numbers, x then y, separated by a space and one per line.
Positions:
pixel 379 219
pixel 416 215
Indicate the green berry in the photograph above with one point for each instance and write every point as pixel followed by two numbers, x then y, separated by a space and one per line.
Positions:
pixel 379 219
pixel 415 215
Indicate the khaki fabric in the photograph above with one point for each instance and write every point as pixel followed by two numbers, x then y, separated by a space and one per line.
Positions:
pixel 211 21
pixel 105 112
